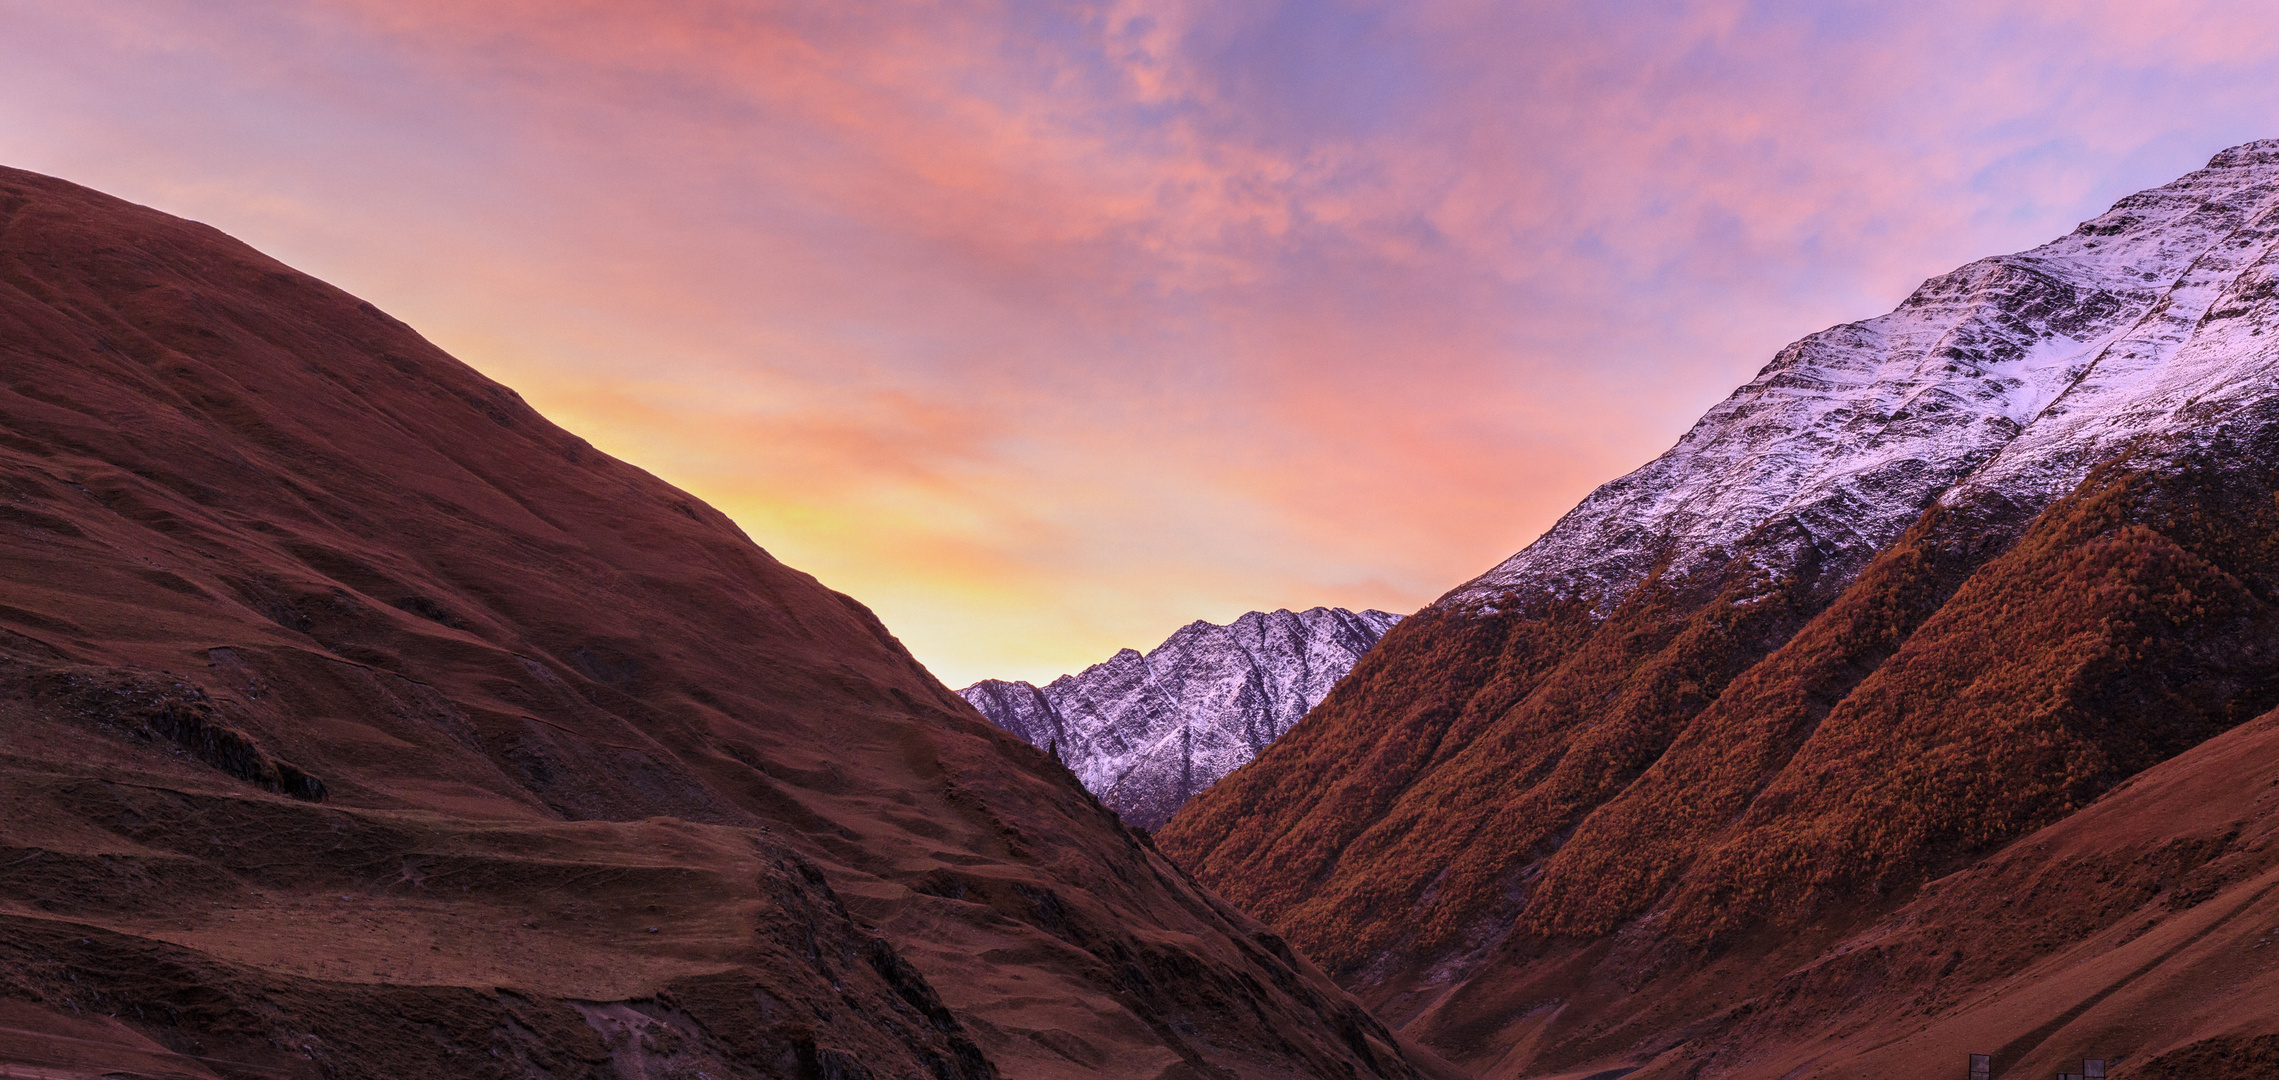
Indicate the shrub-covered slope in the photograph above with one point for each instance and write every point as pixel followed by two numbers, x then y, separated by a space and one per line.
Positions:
pixel 1565 805
pixel 2138 929
pixel 1548 829
pixel 355 721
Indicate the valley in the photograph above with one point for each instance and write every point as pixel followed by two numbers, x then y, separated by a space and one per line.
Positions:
pixel 1679 787
pixel 1921 701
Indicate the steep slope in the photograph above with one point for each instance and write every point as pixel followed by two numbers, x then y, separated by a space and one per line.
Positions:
pixel 2002 382
pixel 358 722
pixel 1916 591
pixel 2138 929
pixel 1145 733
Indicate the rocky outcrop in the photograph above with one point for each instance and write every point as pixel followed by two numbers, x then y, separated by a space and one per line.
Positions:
pixel 1146 732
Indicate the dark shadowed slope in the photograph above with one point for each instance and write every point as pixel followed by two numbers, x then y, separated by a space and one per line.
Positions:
pixel 1930 583
pixel 360 722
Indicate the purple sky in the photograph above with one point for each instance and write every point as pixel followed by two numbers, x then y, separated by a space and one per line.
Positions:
pixel 1047 328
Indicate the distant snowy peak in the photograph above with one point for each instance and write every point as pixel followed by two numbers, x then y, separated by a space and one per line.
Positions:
pixel 2005 380
pixel 1145 733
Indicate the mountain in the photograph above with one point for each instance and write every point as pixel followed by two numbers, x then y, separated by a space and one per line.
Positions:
pixel 1927 587
pixel 1145 733
pixel 2137 928
pixel 356 721
pixel 1999 384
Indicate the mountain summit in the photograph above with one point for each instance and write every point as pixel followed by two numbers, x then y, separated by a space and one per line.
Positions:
pixel 1752 765
pixel 1146 733
pixel 2000 383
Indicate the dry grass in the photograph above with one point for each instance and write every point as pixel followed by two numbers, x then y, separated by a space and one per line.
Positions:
pixel 1753 757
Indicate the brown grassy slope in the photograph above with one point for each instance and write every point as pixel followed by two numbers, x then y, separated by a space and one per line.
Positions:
pixel 1629 851
pixel 1951 699
pixel 2138 618
pixel 357 721
pixel 2152 644
pixel 1370 840
pixel 1444 680
pixel 2139 929
pixel 2097 577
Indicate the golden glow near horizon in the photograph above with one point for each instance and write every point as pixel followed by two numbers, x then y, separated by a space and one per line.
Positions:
pixel 1046 330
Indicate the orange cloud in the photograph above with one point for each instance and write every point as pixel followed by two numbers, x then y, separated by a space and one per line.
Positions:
pixel 1045 328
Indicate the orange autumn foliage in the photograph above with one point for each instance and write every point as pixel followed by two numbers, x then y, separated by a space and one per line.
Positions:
pixel 1723 755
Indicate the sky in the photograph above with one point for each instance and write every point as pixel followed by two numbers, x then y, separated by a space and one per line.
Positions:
pixel 1045 328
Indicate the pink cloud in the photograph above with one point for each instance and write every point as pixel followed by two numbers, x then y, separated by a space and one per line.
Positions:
pixel 1047 328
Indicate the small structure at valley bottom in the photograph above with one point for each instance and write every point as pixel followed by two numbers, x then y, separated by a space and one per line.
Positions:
pixel 1982 1068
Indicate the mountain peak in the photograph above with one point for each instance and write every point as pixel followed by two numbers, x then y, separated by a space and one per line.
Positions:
pixel 1997 384
pixel 2258 152
pixel 1146 732
pixel 1713 778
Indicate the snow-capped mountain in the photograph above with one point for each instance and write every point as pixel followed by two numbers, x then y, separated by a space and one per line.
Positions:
pixel 2002 382
pixel 1145 733
pixel 2003 560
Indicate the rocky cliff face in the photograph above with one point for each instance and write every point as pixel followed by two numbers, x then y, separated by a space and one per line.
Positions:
pixel 1145 733
pixel 1642 795
pixel 355 721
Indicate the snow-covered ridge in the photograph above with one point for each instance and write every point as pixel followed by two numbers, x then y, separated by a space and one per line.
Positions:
pixel 2007 379
pixel 1145 733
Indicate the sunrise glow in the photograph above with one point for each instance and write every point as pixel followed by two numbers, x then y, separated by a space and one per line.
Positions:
pixel 1045 329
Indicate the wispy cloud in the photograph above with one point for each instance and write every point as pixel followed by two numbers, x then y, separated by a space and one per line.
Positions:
pixel 1047 327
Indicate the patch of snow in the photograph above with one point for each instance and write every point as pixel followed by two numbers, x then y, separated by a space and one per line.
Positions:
pixel 1146 733
pixel 2008 378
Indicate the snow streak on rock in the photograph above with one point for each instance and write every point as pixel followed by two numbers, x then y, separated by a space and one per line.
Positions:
pixel 2001 383
pixel 1145 733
